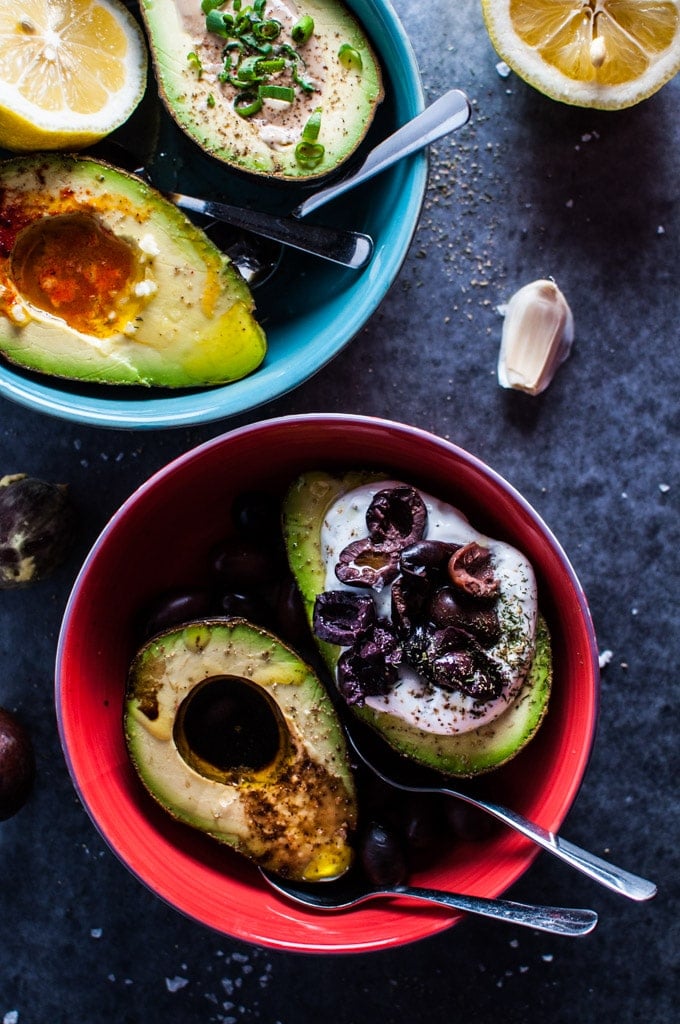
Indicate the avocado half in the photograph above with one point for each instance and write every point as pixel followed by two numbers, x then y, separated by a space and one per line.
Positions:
pixel 463 755
pixel 334 75
pixel 104 280
pixel 234 735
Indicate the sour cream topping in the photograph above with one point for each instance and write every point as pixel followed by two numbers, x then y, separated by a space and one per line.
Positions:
pixel 412 699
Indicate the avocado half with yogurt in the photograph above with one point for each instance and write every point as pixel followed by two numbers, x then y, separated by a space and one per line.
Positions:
pixel 431 630
pixel 277 88
pixel 103 280
pixel 234 735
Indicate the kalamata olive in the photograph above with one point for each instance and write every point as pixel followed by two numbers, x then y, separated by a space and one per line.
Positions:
pixel 471 569
pixel 17 764
pixel 257 515
pixel 241 563
pixel 407 604
pixel 174 607
pixel 291 618
pixel 37 529
pixel 361 564
pixel 248 606
pixel 468 823
pixel 396 517
pixel 447 609
pixel 426 558
pixel 341 617
pixel 382 856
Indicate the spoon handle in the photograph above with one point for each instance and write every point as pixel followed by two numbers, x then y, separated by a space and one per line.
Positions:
pixel 559 920
pixel 449 112
pixel 349 248
pixel 612 877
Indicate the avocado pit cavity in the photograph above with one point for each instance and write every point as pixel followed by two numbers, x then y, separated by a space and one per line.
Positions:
pixel 226 726
pixel 72 266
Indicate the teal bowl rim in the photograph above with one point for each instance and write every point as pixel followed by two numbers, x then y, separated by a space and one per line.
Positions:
pixel 328 329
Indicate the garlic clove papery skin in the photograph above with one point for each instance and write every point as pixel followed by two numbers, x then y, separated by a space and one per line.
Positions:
pixel 538 332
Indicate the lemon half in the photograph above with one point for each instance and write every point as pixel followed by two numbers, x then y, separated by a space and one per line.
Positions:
pixel 607 54
pixel 70 72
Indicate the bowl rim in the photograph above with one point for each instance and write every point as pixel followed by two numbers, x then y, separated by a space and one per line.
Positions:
pixel 270 381
pixel 448 449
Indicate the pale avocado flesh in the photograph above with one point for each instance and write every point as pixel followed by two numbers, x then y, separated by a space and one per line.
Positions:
pixel 197 85
pixel 105 281
pixel 463 754
pixel 234 735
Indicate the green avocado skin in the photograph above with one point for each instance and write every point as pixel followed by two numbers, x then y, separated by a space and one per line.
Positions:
pixel 294 815
pixel 192 319
pixel 464 755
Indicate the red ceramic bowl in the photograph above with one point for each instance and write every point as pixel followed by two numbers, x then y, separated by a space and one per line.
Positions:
pixel 158 539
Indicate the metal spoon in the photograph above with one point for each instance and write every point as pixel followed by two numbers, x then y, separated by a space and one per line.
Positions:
pixel 351 890
pixel 376 756
pixel 349 248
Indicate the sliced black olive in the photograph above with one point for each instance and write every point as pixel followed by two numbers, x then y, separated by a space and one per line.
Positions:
pixel 360 677
pixel 341 617
pixel 396 517
pixel 470 568
pixel 361 564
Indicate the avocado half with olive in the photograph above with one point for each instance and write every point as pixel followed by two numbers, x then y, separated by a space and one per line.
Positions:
pixel 103 280
pixel 233 734
pixel 282 90
pixel 431 631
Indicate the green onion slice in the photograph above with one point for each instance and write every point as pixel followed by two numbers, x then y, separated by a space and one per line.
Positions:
pixel 277 92
pixel 350 57
pixel 302 30
pixel 310 132
pixel 247 103
pixel 309 154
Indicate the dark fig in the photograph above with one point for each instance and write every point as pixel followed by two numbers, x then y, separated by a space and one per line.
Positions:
pixel 17 764
pixel 37 529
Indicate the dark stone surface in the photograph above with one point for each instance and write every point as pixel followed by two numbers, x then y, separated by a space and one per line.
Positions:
pixel 529 189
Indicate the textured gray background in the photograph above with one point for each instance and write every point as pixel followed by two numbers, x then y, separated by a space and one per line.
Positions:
pixel 528 189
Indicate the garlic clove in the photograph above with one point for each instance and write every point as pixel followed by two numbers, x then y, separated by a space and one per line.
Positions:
pixel 538 332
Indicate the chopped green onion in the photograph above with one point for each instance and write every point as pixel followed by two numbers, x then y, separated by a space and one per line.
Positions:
pixel 215 22
pixel 310 132
pixel 350 57
pixel 277 92
pixel 302 30
pixel 209 5
pixel 309 154
pixel 271 66
pixel 210 100
pixel 267 30
pixel 247 103
pixel 259 7
pixel 195 62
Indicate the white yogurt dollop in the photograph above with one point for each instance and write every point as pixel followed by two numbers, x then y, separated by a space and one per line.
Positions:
pixel 412 699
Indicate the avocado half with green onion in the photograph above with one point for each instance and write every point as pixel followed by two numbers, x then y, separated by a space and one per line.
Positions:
pixel 234 735
pixel 463 754
pixel 285 91
pixel 103 280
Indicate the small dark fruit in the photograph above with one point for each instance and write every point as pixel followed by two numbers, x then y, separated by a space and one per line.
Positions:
pixel 17 764
pixel 37 529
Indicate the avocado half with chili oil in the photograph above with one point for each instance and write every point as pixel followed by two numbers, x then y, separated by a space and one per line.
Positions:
pixel 317 499
pixel 234 735
pixel 103 280
pixel 281 90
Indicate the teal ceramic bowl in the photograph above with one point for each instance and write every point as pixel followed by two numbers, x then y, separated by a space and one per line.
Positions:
pixel 310 309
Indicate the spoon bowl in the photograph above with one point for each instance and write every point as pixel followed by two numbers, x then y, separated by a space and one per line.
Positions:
pixel 352 890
